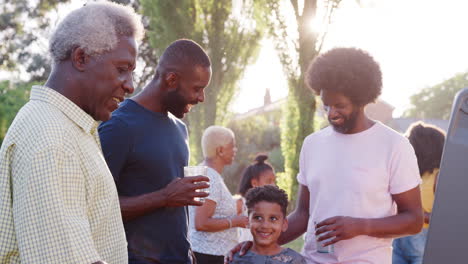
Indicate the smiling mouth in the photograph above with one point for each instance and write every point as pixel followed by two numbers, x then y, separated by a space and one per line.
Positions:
pixel 265 234
pixel 187 108
pixel 337 121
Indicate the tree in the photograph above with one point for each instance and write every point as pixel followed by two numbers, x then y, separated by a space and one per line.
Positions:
pixel 436 101
pixel 23 25
pixel 231 40
pixel 254 135
pixel 12 98
pixel 296 49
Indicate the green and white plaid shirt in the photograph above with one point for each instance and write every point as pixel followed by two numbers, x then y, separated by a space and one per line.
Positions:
pixel 58 201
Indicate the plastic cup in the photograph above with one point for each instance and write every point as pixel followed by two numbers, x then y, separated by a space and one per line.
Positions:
pixel 323 249
pixel 191 171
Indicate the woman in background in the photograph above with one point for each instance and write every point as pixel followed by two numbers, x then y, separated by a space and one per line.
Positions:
pixel 212 229
pixel 428 143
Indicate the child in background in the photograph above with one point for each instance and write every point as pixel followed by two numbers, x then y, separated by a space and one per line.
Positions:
pixel 428 143
pixel 267 217
pixel 258 174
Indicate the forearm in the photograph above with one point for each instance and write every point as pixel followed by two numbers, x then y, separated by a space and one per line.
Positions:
pixel 213 224
pixel 402 224
pixel 297 225
pixel 134 207
pixel 427 217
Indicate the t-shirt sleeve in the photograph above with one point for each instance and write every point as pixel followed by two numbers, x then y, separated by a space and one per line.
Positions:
pixel 404 172
pixel 301 176
pixel 116 143
pixel 215 186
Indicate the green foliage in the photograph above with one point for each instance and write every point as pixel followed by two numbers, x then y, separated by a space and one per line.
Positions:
pixel 285 182
pixel 254 135
pixel 20 37
pixel 12 98
pixel 231 40
pixel 296 51
pixel 297 244
pixel 436 101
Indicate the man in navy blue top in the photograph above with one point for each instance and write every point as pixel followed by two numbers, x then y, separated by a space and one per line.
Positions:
pixel 146 147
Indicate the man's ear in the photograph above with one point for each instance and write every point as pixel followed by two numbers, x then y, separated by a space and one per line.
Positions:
pixel 171 79
pixel 79 59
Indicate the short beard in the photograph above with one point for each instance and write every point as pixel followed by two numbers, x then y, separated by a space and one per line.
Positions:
pixel 348 124
pixel 175 103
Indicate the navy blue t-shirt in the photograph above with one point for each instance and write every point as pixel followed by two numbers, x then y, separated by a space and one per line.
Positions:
pixel 145 151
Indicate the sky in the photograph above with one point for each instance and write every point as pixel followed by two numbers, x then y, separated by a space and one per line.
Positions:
pixel 418 43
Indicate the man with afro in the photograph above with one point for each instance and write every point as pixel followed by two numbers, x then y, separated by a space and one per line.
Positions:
pixel 358 179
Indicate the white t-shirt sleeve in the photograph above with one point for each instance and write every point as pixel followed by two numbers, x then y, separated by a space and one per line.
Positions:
pixel 404 171
pixel 215 186
pixel 301 176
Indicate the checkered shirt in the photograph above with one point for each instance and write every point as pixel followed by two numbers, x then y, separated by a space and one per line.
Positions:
pixel 58 200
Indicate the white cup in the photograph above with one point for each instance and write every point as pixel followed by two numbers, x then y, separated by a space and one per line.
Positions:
pixel 190 171
pixel 323 249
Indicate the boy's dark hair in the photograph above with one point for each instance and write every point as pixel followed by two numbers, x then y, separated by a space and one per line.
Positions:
pixel 253 172
pixel 267 193
pixel 428 143
pixel 350 71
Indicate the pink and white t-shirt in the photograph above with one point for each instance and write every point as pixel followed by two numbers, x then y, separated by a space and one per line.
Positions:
pixel 355 175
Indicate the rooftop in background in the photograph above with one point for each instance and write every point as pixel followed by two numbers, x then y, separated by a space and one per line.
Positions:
pixel 380 110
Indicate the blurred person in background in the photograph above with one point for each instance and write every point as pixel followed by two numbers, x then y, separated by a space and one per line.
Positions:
pixel 213 226
pixel 428 143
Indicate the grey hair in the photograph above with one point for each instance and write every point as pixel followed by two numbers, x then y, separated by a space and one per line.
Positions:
pixel 214 137
pixel 96 28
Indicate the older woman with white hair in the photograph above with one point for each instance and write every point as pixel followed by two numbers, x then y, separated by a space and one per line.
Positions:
pixel 213 226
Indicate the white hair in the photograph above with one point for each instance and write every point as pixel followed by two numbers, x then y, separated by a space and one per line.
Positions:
pixel 96 28
pixel 214 137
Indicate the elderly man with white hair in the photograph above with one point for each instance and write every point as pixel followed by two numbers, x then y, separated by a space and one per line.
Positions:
pixel 213 226
pixel 58 200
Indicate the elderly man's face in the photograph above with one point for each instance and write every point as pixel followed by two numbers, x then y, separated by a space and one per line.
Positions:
pixel 109 78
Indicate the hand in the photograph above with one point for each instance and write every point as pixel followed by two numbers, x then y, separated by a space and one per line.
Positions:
pixel 182 191
pixel 243 247
pixel 339 228
pixel 240 221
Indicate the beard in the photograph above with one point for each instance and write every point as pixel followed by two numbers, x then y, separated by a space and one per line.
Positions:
pixel 349 122
pixel 175 103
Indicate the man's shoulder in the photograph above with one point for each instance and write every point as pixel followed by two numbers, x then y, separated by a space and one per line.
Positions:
pixel 122 118
pixel 318 135
pixel 128 110
pixel 391 136
pixel 177 121
pixel 42 123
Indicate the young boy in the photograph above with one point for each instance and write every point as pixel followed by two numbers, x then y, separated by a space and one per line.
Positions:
pixel 267 217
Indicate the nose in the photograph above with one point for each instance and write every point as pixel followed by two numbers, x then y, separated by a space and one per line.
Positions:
pixel 128 84
pixel 201 96
pixel 265 224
